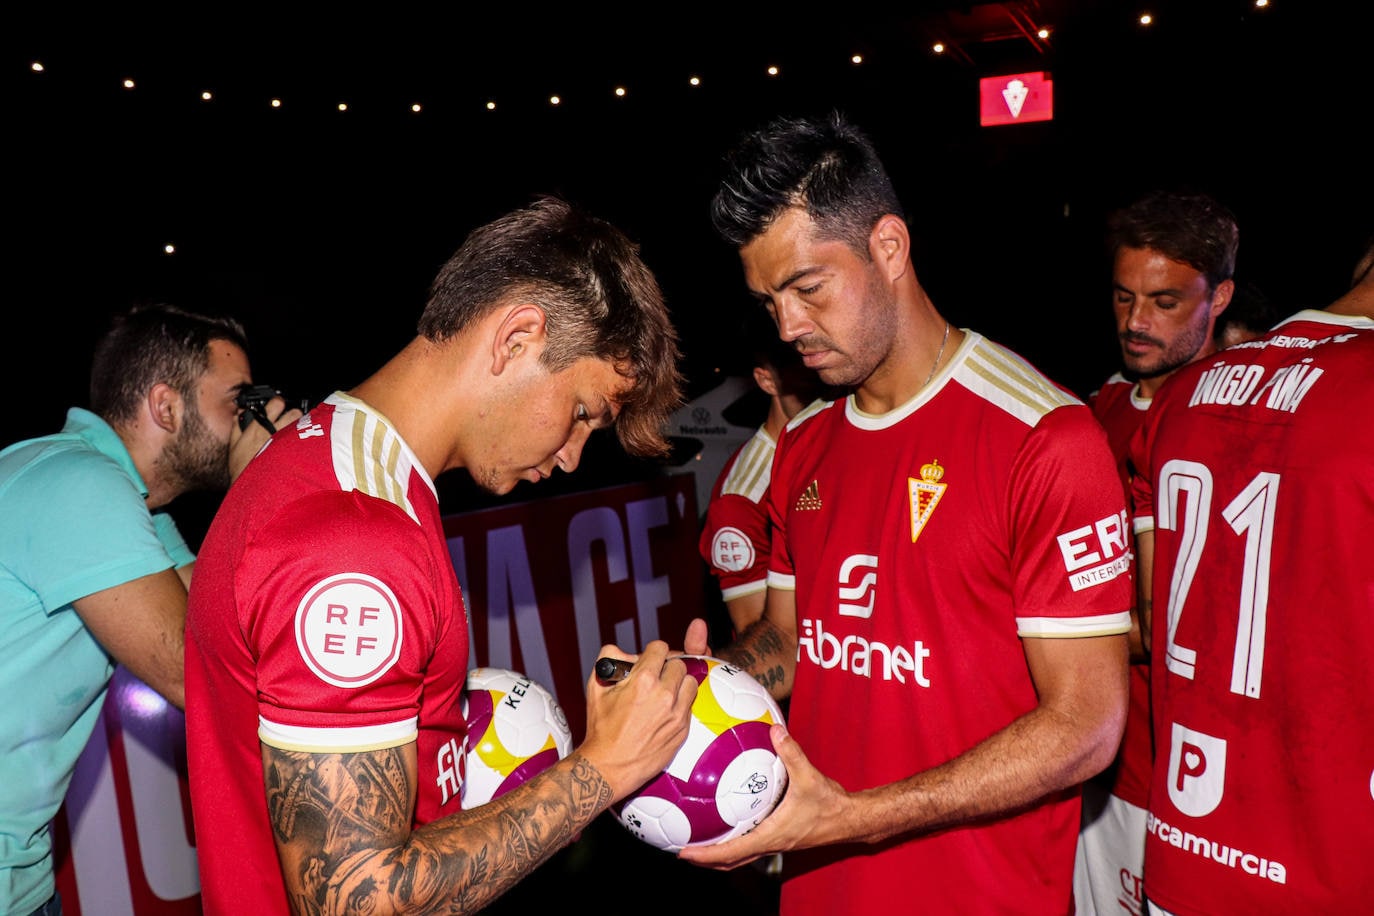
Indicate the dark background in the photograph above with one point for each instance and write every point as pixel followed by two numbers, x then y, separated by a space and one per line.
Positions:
pixel 321 230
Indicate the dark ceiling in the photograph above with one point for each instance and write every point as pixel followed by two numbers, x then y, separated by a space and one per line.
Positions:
pixel 322 228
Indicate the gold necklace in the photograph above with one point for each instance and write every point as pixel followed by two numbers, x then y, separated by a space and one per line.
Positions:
pixel 939 353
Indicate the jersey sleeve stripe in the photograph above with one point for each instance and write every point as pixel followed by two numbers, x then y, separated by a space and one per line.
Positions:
pixel 337 740
pixel 1074 627
pixel 782 581
pixel 748 588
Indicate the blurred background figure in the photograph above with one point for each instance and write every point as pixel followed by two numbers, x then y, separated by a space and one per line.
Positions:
pixel 1250 314
pixel 735 531
pixel 1173 256
pixel 1254 502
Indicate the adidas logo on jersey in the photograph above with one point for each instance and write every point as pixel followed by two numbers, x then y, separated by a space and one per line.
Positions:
pixel 810 498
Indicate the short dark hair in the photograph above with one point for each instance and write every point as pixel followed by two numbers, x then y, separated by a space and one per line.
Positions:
pixel 1187 226
pixel 827 166
pixel 599 298
pixel 151 344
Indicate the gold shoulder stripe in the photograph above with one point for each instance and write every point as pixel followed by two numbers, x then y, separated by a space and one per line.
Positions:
pixel 752 469
pixel 374 461
pixel 810 410
pixel 1011 383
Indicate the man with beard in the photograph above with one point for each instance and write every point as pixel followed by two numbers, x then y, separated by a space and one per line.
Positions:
pixel 1173 255
pixel 1254 501
pixel 948 590
pixel 93 572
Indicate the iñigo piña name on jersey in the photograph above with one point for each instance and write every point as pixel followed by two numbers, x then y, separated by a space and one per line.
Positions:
pixel 1242 385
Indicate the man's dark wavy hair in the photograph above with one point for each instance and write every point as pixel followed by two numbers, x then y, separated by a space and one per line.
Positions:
pixel 827 166
pixel 1184 225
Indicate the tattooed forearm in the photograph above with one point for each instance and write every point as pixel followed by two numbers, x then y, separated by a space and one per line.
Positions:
pixel 760 651
pixel 773 679
pixel 591 792
pixel 345 844
pixel 769 643
pixel 351 799
pixel 483 853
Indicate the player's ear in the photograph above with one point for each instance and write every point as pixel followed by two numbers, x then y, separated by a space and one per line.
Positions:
pixel 521 331
pixel 767 380
pixel 1221 296
pixel 889 244
pixel 164 406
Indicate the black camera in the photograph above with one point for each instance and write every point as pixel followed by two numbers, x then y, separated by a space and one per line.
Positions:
pixel 253 401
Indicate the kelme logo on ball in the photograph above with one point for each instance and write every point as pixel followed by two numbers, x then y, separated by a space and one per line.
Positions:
pixel 515 731
pixel 348 629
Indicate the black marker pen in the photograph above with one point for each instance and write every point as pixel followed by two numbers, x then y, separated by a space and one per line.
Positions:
pixel 612 670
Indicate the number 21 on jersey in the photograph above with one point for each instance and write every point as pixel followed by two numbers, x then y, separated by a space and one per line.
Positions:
pixel 1185 505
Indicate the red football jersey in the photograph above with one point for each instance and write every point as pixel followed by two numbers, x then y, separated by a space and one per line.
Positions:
pixel 1119 408
pixel 735 532
pixel 1257 477
pixel 324 615
pixel 923 546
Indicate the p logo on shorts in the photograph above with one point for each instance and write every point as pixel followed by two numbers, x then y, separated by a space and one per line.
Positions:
pixel 1197 770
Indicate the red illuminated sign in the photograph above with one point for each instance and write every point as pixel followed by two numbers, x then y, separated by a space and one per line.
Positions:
pixel 1016 98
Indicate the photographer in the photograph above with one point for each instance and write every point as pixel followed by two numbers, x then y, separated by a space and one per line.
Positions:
pixel 93 571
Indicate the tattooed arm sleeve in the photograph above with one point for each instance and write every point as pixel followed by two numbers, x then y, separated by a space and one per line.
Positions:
pixel 342 824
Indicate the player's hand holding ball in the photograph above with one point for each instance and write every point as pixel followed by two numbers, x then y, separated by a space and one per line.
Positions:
pixel 726 778
pixel 637 723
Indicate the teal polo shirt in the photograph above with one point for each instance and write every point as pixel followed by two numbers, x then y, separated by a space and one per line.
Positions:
pixel 73 521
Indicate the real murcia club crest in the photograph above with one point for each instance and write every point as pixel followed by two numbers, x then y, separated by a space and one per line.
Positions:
pixel 925 495
pixel 1015 96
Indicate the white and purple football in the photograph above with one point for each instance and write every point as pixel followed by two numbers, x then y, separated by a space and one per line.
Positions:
pixel 725 779
pixel 516 730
